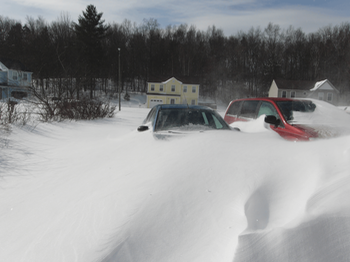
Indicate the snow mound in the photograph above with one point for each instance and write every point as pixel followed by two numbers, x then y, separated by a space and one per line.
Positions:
pixel 101 191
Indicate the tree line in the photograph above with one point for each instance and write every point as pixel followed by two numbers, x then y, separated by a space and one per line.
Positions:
pixel 84 56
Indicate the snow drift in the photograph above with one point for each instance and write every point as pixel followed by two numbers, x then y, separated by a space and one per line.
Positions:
pixel 101 191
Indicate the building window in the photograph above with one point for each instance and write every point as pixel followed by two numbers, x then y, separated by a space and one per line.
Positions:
pixel 193 102
pixel 19 94
pixel 320 96
pixel 152 87
pixel 292 94
pixel 284 93
pixel 172 101
pixel 14 75
pixel 329 97
pixel 161 89
pixel 193 89
pixel 185 89
pixel 25 77
pixel 173 88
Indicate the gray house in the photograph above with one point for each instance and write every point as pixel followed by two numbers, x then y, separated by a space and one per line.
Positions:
pixel 322 90
pixel 15 80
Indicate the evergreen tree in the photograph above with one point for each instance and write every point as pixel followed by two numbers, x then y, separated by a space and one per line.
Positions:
pixel 90 32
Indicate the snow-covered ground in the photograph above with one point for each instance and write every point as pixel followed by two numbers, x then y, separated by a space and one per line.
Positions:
pixel 101 191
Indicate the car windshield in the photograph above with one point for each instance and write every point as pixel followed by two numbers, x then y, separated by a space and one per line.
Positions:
pixel 189 119
pixel 294 110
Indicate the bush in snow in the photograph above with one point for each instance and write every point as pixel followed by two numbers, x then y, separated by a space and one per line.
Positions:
pixel 73 109
pixel 62 108
pixel 13 113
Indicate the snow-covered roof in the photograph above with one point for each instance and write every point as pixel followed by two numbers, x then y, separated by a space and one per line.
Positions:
pixel 318 85
pixel 7 64
pixel 302 85
pixel 182 79
pixel 167 81
pixel 294 84
pixel 3 67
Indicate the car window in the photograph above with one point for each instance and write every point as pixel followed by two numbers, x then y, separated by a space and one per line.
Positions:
pixel 288 107
pixel 268 109
pixel 218 124
pixel 150 116
pixel 170 119
pixel 213 121
pixel 249 108
pixel 206 121
pixel 188 119
pixel 234 108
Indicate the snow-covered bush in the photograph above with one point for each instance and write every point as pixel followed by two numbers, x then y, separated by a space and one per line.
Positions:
pixel 13 113
pixel 73 109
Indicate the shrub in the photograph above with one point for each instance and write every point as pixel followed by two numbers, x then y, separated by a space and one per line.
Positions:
pixel 13 113
pixel 72 109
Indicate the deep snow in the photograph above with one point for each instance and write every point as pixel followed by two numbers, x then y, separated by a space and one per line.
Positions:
pixel 101 191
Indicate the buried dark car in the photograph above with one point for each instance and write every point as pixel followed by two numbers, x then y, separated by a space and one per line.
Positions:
pixel 181 119
pixel 292 119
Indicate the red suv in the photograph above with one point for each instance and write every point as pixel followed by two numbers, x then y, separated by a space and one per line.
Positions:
pixel 279 114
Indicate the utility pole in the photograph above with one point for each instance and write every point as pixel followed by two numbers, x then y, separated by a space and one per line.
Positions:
pixel 119 82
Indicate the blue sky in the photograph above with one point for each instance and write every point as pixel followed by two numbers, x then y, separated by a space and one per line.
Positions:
pixel 231 16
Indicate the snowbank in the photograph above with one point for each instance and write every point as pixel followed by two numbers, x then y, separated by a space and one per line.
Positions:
pixel 101 191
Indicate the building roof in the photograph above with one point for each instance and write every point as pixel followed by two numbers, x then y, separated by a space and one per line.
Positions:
pixel 295 84
pixel 3 67
pixel 318 85
pixel 12 64
pixel 183 79
pixel 161 94
pixel 271 99
pixel 302 85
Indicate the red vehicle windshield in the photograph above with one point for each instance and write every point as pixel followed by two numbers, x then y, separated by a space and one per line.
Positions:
pixel 289 107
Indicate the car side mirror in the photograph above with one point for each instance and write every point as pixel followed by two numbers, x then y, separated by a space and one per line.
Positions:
pixel 272 120
pixel 142 128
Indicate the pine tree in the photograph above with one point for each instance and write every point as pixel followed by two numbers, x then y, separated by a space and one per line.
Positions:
pixel 90 32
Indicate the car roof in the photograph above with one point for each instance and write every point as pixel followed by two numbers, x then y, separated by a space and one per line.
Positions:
pixel 274 99
pixel 182 106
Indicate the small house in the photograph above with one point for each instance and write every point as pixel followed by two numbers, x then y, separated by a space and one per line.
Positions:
pixel 15 80
pixel 172 91
pixel 322 90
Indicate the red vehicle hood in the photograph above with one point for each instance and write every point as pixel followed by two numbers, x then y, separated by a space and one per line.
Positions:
pixel 311 131
pixel 319 131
